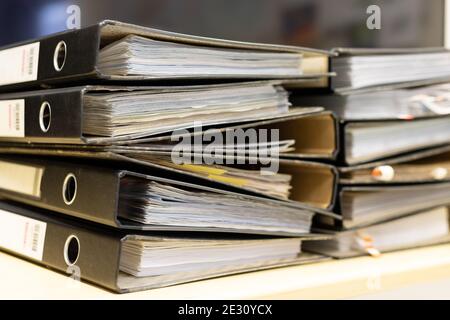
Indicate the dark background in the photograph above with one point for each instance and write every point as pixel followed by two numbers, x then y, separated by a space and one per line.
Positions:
pixel 315 23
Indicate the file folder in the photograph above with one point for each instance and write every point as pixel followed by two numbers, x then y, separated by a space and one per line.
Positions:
pixel 69 115
pixel 368 69
pixel 379 105
pixel 312 183
pixel 107 257
pixel 84 54
pixel 430 165
pixel 419 229
pixel 364 205
pixel 367 141
pixel 377 125
pixel 129 199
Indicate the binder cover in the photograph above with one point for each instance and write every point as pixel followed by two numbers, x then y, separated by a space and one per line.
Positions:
pixel 313 183
pixel 94 254
pixel 348 52
pixel 73 55
pixel 419 229
pixel 56 116
pixel 94 192
pixel 364 205
pixel 430 165
pixel 345 138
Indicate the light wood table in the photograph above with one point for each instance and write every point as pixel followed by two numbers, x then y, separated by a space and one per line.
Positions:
pixel 419 273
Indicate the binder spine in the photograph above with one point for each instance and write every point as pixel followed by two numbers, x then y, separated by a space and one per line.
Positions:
pixel 336 180
pixel 45 117
pixel 338 138
pixel 82 252
pixel 69 189
pixel 65 56
pixel 340 156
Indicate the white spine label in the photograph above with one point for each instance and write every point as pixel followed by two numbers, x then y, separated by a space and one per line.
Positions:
pixel 19 64
pixel 12 118
pixel 22 235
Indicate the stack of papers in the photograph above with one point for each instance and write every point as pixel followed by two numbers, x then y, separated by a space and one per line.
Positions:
pixel 365 205
pixel 155 203
pixel 152 257
pixel 365 69
pixel 135 55
pixel 138 114
pixel 367 141
pixel 274 184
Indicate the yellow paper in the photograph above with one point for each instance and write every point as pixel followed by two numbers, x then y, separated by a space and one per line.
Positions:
pixel 204 169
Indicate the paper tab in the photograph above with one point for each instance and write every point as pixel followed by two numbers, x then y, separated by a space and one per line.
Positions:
pixel 366 242
pixel 19 64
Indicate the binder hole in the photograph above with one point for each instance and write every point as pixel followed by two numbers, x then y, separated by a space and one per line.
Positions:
pixel 59 57
pixel 71 250
pixel 69 191
pixel 45 116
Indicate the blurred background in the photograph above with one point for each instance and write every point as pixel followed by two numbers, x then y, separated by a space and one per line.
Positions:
pixel 315 23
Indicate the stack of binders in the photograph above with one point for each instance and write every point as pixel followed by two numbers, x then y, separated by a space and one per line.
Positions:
pixel 393 108
pixel 89 123
pixel 104 166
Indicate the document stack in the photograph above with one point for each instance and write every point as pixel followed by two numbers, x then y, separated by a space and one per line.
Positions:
pixel 88 120
pixel 394 181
